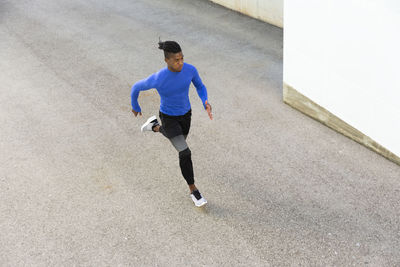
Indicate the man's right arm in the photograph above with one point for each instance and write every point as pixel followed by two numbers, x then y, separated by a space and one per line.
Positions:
pixel 142 85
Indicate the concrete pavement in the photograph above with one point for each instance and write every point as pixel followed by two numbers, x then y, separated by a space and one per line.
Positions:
pixel 80 185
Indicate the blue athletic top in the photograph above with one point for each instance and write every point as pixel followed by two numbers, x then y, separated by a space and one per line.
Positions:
pixel 173 88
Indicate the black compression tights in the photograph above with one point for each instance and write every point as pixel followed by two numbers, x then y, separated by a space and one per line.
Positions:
pixel 185 157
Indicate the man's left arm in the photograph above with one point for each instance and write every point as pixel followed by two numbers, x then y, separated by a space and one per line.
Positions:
pixel 202 92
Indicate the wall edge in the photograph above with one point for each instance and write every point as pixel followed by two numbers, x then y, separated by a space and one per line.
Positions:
pixel 305 105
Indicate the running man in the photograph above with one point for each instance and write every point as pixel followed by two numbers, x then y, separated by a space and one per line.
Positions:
pixel 172 84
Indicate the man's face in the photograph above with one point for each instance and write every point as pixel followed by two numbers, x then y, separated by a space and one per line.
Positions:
pixel 175 62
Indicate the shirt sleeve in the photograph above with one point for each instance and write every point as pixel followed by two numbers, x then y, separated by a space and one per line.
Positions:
pixel 142 85
pixel 200 87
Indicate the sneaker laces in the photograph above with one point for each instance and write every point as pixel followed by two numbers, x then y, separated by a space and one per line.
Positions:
pixel 197 194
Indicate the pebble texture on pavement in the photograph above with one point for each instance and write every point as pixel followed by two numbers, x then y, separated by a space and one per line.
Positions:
pixel 80 185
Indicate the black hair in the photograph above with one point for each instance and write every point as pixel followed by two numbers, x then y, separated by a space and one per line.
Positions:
pixel 169 47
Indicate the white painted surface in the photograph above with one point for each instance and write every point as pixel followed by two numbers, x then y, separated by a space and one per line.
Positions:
pixel 270 11
pixel 344 55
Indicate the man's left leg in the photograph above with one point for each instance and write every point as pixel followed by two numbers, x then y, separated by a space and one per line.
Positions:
pixel 186 165
pixel 185 156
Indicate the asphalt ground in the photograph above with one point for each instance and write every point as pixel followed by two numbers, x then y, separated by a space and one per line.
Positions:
pixel 80 185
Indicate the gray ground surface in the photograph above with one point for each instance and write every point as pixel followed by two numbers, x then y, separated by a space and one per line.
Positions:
pixel 81 185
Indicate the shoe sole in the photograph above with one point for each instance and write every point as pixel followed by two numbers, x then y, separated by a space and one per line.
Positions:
pixel 201 205
pixel 152 118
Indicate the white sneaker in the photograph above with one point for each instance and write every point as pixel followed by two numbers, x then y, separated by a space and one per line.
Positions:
pixel 148 126
pixel 198 199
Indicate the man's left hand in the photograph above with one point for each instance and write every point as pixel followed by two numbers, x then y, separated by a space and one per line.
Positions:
pixel 209 111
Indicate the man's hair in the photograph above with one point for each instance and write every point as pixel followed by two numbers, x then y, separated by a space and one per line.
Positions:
pixel 169 47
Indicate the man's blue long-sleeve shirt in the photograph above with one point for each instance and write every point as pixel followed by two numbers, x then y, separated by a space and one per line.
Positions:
pixel 173 88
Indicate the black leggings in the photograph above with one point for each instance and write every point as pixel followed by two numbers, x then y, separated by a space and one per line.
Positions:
pixel 178 127
pixel 185 157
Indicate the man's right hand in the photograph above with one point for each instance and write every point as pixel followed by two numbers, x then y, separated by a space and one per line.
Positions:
pixel 136 113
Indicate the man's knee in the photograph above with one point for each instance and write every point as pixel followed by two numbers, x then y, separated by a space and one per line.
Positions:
pixel 185 154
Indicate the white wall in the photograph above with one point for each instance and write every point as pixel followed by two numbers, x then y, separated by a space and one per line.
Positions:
pixel 270 11
pixel 344 55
